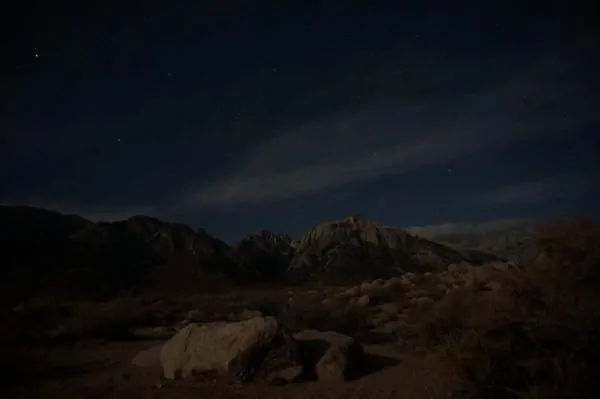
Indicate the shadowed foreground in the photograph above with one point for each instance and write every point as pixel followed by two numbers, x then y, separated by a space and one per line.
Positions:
pixel 496 331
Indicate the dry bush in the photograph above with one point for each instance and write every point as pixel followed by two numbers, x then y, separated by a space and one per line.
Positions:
pixel 108 320
pixel 28 322
pixel 44 321
pixel 538 338
pixel 313 315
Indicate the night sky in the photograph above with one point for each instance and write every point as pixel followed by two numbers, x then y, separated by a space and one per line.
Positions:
pixel 237 118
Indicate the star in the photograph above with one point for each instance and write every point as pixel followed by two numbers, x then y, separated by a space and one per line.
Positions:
pixel 36 55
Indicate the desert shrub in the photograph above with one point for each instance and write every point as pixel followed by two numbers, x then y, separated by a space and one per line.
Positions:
pixel 538 338
pixel 345 318
pixel 28 322
pixel 109 320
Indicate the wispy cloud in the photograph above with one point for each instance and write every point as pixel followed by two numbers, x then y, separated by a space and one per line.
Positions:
pixel 536 190
pixel 346 149
pixel 375 142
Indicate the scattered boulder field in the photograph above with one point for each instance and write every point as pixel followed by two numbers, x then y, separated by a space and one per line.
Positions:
pixel 249 346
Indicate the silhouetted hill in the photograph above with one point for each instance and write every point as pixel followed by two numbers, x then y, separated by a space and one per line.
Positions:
pixel 44 251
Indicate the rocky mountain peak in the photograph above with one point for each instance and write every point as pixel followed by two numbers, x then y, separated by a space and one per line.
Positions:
pixel 353 228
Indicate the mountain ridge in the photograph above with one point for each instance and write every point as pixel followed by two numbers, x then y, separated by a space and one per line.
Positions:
pixel 43 249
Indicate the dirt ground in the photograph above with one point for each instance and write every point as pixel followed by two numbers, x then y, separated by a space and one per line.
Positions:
pixel 95 369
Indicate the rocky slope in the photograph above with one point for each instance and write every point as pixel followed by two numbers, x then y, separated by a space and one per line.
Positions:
pixel 356 249
pixel 67 255
pixel 266 252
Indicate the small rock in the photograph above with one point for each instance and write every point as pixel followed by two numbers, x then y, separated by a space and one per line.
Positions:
pixel 350 292
pixel 393 283
pixel 363 300
pixel 340 362
pixel 337 357
pixel 493 286
pixel 365 287
pixel 406 281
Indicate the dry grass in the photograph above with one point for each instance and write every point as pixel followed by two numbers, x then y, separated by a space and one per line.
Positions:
pixel 43 320
pixel 538 338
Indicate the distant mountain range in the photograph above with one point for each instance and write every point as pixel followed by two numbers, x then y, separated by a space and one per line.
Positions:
pixel 43 252
pixel 512 239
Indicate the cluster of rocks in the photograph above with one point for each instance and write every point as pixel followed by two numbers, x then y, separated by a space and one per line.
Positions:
pixel 257 348
pixel 486 277
pixel 390 301
pixel 250 346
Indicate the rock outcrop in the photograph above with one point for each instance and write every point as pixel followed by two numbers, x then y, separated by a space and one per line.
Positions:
pixel 331 356
pixel 356 249
pixel 267 252
pixel 242 351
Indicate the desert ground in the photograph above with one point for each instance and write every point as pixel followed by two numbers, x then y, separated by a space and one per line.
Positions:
pixel 500 330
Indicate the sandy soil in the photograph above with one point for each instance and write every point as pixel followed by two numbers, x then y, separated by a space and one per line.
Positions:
pixel 96 369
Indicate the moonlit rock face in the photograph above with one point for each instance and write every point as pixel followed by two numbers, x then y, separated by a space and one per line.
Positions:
pixel 352 227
